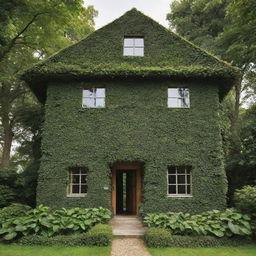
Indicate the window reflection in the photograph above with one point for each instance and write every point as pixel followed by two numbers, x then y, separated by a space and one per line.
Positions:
pixel 178 98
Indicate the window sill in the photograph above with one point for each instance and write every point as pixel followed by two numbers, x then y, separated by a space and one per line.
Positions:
pixel 180 196
pixel 76 195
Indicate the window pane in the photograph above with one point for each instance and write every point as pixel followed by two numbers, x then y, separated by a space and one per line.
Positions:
pixel 181 170
pixel 139 42
pixel 172 189
pixel 181 179
pixel 83 178
pixel 173 92
pixel 88 93
pixel 75 178
pixel 188 179
pixel 188 189
pixel 75 170
pixel 100 92
pixel 75 189
pixel 88 102
pixel 84 170
pixel 100 103
pixel 128 51
pixel 83 189
pixel 172 169
pixel 139 52
pixel 172 179
pixel 128 42
pixel 181 189
pixel 172 103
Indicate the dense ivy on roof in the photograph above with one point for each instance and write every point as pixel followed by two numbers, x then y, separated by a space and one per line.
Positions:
pixel 100 55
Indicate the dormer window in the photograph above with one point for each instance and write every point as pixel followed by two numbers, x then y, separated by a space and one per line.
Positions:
pixel 133 46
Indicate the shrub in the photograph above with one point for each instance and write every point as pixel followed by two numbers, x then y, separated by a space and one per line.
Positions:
pixel 157 237
pixel 44 222
pixel 99 235
pixel 245 199
pixel 12 211
pixel 153 238
pixel 216 223
pixel 7 195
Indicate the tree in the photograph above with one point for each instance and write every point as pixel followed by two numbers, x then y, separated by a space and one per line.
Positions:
pixel 31 31
pixel 224 28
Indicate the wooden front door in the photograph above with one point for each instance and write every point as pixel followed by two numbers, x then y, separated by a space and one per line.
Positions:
pixel 126 188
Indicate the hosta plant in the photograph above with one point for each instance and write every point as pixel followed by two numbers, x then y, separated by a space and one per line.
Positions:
pixel 44 222
pixel 216 223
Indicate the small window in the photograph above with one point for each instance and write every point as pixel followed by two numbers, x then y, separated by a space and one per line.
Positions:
pixel 178 98
pixel 179 181
pixel 133 46
pixel 94 98
pixel 77 181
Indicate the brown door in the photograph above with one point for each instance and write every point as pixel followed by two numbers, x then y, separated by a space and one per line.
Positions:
pixel 126 189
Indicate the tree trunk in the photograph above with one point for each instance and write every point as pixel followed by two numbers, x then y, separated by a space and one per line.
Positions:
pixel 234 122
pixel 7 143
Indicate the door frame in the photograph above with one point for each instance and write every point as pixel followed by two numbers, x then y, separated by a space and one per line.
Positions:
pixel 127 166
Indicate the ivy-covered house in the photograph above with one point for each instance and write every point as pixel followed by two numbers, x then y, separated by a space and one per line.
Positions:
pixel 132 122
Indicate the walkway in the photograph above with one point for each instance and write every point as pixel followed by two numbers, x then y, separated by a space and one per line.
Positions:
pixel 129 247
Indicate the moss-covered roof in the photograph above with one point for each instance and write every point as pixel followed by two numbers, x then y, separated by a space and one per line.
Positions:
pixel 100 56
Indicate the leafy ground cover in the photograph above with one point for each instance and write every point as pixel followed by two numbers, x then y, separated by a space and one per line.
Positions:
pixel 16 250
pixel 224 251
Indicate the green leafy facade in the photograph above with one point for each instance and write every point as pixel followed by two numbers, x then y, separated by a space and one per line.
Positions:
pixel 135 125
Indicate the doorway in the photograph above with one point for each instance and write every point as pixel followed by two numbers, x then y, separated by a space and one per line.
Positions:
pixel 126 189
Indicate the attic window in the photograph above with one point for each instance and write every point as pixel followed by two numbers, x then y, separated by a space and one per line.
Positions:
pixel 133 46
pixel 94 98
pixel 178 98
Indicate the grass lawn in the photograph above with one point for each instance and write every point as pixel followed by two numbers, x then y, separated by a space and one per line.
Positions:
pixel 249 250
pixel 20 250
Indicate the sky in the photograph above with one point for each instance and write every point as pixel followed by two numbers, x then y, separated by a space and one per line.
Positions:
pixel 112 9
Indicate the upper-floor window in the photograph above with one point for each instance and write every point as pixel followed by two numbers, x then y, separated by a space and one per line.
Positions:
pixel 133 46
pixel 94 98
pixel 178 98
pixel 77 181
pixel 179 181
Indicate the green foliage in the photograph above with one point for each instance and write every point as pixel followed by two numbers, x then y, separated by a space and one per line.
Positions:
pixel 215 223
pixel 99 235
pixel 135 111
pixel 13 211
pixel 157 237
pixel 29 32
pixel 10 186
pixel 7 195
pixel 245 199
pixel 100 55
pixel 43 222
pixel 160 237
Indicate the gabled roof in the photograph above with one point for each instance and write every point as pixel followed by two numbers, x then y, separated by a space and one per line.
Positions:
pixel 100 56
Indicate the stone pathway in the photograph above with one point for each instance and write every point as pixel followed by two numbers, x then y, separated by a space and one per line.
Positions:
pixel 129 247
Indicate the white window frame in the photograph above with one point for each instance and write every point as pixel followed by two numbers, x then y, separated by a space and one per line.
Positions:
pixel 134 46
pixel 70 183
pixel 187 172
pixel 178 97
pixel 94 97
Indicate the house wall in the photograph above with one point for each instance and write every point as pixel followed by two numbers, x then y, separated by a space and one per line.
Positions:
pixel 136 125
